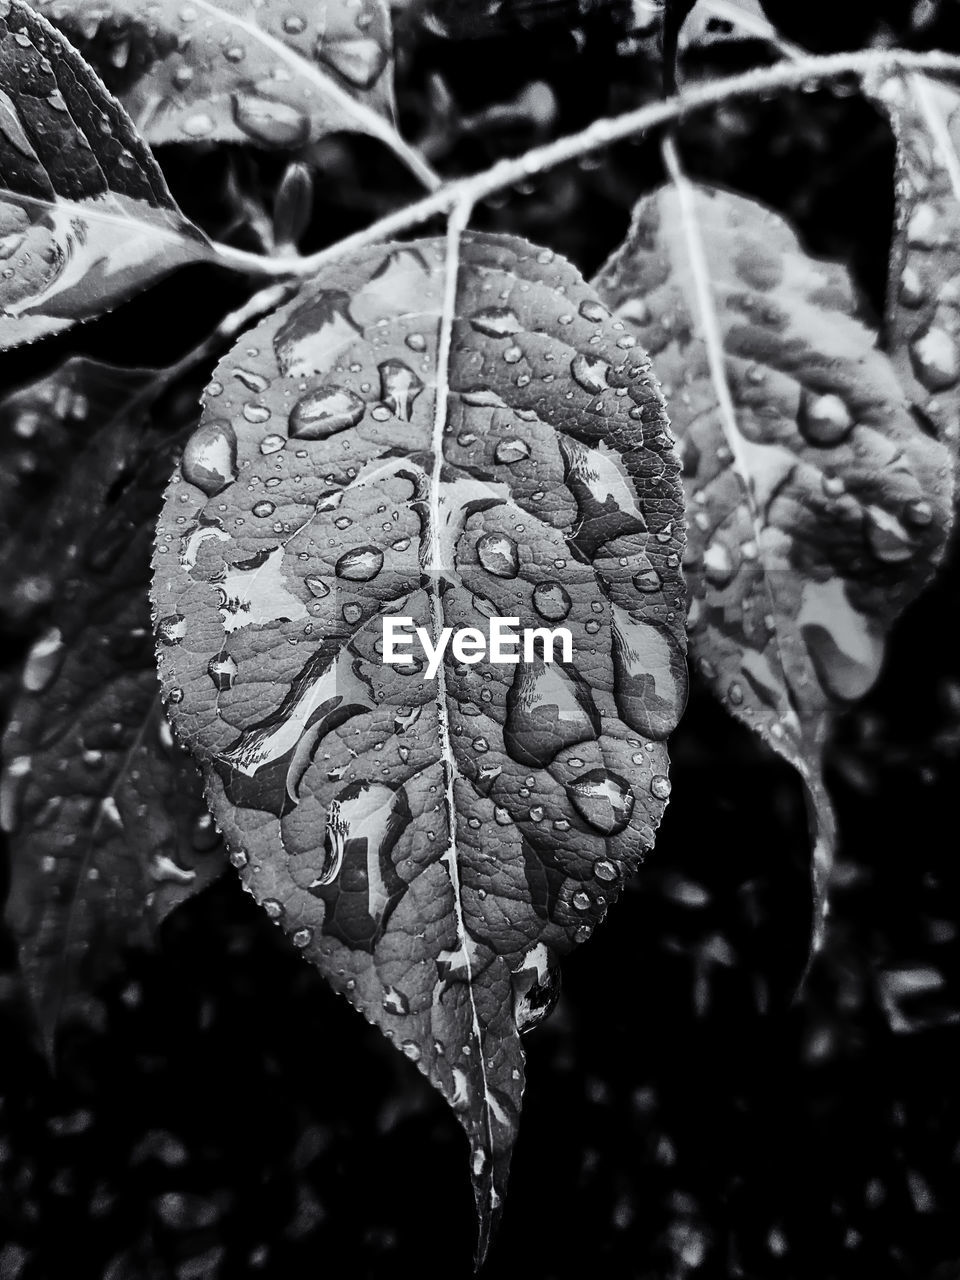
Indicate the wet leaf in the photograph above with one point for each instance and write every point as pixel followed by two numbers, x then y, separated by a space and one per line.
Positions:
pixel 721 22
pixel 107 826
pixel 923 294
pixel 274 74
pixel 817 506
pixel 44 427
pixel 446 433
pixel 85 215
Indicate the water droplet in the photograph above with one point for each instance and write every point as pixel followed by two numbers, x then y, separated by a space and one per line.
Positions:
pixel 272 444
pixel 590 373
pixel 263 509
pixel 272 908
pixel 547 710
pixel 172 629
pixel 513 355
pixel 498 555
pixel 277 124
pixel 647 580
pixel 316 586
pixel 182 78
pixel 239 859
pixel 222 670
pixel 198 126
pixel 399 387
pixel 351 613
pixel 595 311
pixel 501 816
pixel 43 661
pixel 416 342
pixel 824 420
pixel 513 450
pixel 395 1001
pixel 302 938
pixel 718 564
pixel 359 59
pixel 256 413
pixel 293 24
pixel 582 901
pixel 605 870
pixel 936 359
pixel 660 786
pixel 210 458
pixel 254 382
pixel 411 1049
pixel 603 799
pixel 918 513
pixel 887 538
pixel 481 745
pixel 551 601
pixel 496 322
pixel 912 292
pixel 324 412
pixel 536 987
pixel 360 564
pixel 650 675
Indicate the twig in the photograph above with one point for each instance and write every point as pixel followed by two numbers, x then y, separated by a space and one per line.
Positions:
pixel 600 134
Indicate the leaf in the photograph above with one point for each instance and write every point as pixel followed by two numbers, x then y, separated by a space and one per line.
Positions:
pixel 85 215
pixel 272 74
pixel 675 15
pixel 445 432
pixel 923 296
pixel 719 22
pixel 44 426
pixel 107 826
pixel 818 507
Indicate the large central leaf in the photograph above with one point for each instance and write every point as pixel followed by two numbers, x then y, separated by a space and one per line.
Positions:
pixel 450 430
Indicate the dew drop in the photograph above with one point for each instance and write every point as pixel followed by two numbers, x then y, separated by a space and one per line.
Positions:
pixel 496 322
pixel 605 870
pixel 324 412
pixel 210 458
pixel 395 1001
pixel 222 670
pixel 416 342
pixel 936 359
pixel 647 580
pixel 591 374
pixel 536 988
pixel 498 555
pixel 263 509
pixel 551 601
pixel 360 564
pixel 824 420
pixel 272 444
pixel 172 629
pixel 316 586
pixel 399 387
pixel 359 59
pixel 351 613
pixel 594 311
pixel 603 799
pixel 660 786
pixel 650 675
pixel 43 661
pixel 278 124
pixel 513 450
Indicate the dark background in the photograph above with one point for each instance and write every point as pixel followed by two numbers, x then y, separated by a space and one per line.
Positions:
pixel 227 1116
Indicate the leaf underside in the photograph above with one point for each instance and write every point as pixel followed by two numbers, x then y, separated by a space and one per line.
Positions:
pixel 817 506
pixel 923 294
pixel 445 430
pixel 86 218
pixel 275 75
pixel 107 826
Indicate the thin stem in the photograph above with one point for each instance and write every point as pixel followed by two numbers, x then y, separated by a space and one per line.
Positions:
pixel 600 134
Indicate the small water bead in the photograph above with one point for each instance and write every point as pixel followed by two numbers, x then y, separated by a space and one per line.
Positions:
pixel 512 450
pixel 351 613
pixel 213 388
pixel 498 554
pixel 513 355
pixel 936 359
pixel 496 322
pixel 647 580
pixel 551 601
pixel 395 1001
pixel 222 670
pixel 302 938
pixel 481 745
pixel 594 311
pixel 824 420
pixel 605 870
pixel 293 24
pixel 660 786
pixel 254 382
pixel 360 564
pixel 399 388
pixel 256 413
pixel 172 629
pixel 324 412
pixel 272 444
pixel 590 374
pixel 592 627
pixel 584 933
pixel 273 909
pixel 265 120
pixel 359 59
pixel 198 126
pixel 416 342
pixel 263 509
pixel 411 1050
pixel 501 816
pixel 735 693
pixel 581 901
pixel 603 799
pixel 536 813
pixel 210 457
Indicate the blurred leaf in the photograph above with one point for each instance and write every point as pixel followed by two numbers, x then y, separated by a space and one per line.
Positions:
pixel 447 434
pixel 107 826
pixel 271 74
pixel 923 294
pixel 719 22
pixel 44 426
pixel 818 508
pixel 85 215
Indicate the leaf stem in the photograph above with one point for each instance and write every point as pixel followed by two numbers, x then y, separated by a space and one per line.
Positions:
pixel 602 133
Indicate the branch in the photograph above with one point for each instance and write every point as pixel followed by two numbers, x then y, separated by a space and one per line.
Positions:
pixel 600 134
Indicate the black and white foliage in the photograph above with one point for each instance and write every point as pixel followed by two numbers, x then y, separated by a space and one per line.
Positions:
pixel 453 428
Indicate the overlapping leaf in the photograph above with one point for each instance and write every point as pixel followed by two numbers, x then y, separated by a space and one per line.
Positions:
pixel 923 296
pixel 272 74
pixel 106 821
pixel 817 505
pixel 446 431
pixel 86 218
